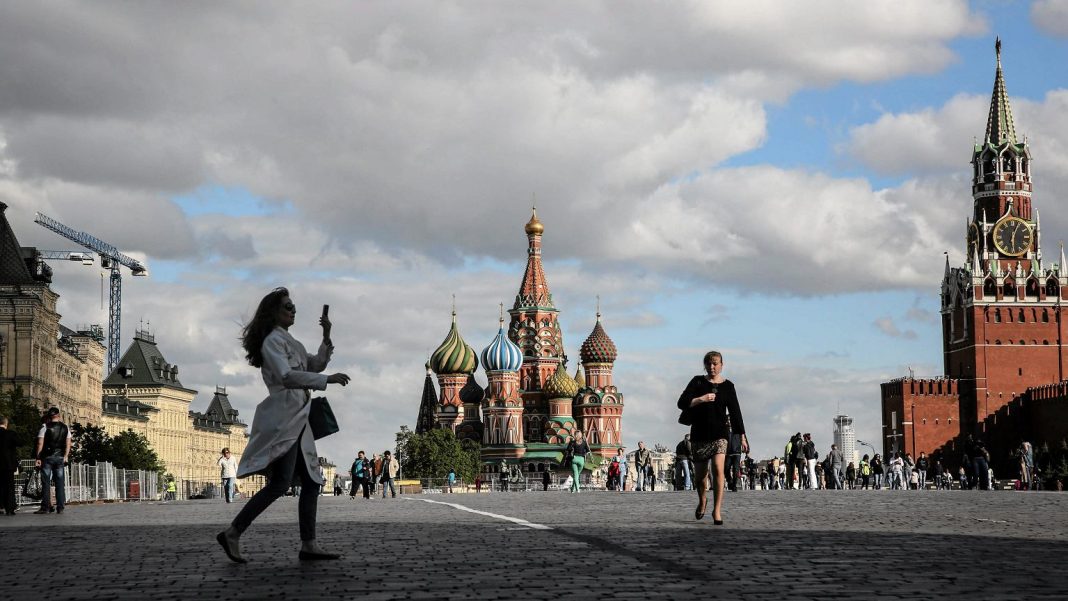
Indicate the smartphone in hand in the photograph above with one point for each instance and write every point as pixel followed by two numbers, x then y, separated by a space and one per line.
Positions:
pixel 325 321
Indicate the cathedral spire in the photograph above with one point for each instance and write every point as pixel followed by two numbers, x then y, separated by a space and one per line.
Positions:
pixel 999 126
pixel 534 291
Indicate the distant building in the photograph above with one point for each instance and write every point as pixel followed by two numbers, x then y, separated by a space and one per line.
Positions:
pixel 144 394
pixel 1005 349
pixel 52 364
pixel 846 439
pixel 531 406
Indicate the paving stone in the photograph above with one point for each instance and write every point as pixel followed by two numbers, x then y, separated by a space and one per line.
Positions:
pixel 601 545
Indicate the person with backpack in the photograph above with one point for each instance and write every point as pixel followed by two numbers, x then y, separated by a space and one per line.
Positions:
pixel 865 472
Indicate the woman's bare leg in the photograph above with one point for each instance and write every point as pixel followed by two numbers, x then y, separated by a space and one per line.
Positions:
pixel 717 485
pixel 701 483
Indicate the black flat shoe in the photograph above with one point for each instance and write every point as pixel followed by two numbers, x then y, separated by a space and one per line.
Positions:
pixel 221 537
pixel 717 522
pixel 312 556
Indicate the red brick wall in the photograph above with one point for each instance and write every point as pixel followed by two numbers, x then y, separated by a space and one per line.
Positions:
pixel 927 414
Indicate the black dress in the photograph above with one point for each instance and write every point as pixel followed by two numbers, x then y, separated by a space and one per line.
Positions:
pixel 713 422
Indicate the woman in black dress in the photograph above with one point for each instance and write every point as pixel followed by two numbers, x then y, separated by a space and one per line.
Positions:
pixel 712 403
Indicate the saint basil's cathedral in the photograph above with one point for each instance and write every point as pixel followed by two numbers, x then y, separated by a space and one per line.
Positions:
pixel 531 406
pixel 1004 322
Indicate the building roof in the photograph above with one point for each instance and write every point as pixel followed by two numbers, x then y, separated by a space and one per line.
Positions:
pixel 425 421
pixel 534 291
pixel 13 269
pixel 999 126
pixel 121 406
pixel 598 347
pixel 454 356
pixel 502 354
pixel 144 365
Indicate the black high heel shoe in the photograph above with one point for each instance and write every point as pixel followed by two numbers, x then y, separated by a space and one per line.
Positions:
pixel 700 512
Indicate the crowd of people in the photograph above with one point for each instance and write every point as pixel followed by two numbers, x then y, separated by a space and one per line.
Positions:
pixel 367 474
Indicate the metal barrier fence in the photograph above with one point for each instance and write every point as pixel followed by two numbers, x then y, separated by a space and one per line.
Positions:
pixel 86 483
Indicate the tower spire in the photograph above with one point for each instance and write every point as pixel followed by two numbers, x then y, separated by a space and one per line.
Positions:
pixel 999 125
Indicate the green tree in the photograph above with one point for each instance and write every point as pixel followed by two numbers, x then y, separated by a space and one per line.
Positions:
pixel 131 450
pixel 24 420
pixel 432 454
pixel 89 444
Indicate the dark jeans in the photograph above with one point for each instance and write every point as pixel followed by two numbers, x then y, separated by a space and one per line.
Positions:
pixel 982 472
pixel 279 477
pixel 52 472
pixel 7 491
pixel 734 465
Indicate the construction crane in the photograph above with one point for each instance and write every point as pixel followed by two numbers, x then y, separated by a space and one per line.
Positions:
pixel 110 258
pixel 85 258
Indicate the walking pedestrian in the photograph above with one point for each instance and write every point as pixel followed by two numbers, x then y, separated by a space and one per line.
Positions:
pixel 577 449
pixel 851 475
pixel 361 473
pixel 390 468
pixel 338 488
pixel 53 452
pixel 281 444
pixel 682 457
pixel 836 463
pixel 641 459
pixel 865 472
pixel 621 457
pixel 808 450
pixel 450 478
pixel 9 465
pixel 980 462
pixel 711 401
pixel 922 465
pixel 546 480
pixel 228 473
pixel 877 471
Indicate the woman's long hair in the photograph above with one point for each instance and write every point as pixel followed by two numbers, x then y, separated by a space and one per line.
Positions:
pixel 263 322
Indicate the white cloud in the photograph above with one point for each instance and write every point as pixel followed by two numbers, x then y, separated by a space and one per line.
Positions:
pixel 1051 16
pixel 409 139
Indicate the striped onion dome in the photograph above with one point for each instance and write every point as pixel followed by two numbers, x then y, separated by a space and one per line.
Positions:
pixel 598 347
pixel 560 385
pixel 502 354
pixel 454 356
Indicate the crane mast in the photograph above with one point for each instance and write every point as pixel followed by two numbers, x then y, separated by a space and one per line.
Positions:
pixel 111 259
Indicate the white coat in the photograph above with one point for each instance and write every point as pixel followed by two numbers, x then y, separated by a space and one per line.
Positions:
pixel 280 418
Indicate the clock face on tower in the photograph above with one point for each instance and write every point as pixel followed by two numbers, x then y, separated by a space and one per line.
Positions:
pixel 1012 236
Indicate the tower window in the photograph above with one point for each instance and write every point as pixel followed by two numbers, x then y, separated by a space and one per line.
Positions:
pixel 997 315
pixel 1021 371
pixel 1022 317
pixel 1045 315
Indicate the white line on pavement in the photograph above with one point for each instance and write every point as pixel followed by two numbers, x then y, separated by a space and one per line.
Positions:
pixel 497 516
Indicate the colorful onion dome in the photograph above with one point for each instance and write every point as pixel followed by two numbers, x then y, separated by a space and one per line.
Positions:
pixel 502 354
pixel 472 392
pixel 454 356
pixel 534 226
pixel 560 385
pixel 580 378
pixel 598 347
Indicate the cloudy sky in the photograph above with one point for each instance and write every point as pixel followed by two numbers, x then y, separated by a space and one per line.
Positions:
pixel 776 180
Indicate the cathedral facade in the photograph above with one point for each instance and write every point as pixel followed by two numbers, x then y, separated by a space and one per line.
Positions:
pixel 531 406
pixel 1005 343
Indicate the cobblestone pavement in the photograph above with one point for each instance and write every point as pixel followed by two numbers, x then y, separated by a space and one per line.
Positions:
pixel 796 544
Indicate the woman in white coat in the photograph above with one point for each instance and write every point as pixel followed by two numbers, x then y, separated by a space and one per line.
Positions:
pixel 281 445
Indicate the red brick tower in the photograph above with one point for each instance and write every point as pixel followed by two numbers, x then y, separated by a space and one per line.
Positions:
pixel 535 329
pixel 1002 316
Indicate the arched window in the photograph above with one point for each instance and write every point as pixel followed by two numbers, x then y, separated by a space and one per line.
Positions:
pixel 997 341
pixel 1022 317
pixel 1032 288
pixel 1008 162
pixel 1045 315
pixel 1010 288
pixel 1046 342
pixel 1052 288
pixel 997 315
pixel 989 289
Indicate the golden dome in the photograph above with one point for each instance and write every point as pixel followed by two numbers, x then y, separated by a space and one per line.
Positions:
pixel 534 226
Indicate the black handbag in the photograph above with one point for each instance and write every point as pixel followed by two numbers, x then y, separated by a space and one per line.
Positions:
pixel 686 417
pixel 321 418
pixel 33 489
